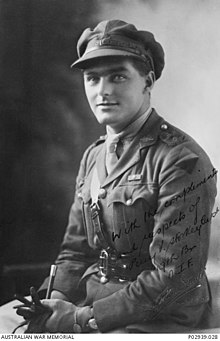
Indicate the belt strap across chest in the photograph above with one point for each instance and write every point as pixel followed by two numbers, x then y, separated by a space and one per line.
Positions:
pixel 98 225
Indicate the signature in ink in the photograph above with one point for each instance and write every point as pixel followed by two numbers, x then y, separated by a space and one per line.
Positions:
pixel 132 226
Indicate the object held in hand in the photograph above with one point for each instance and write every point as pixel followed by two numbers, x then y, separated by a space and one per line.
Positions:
pixel 53 270
pixel 30 309
pixel 34 312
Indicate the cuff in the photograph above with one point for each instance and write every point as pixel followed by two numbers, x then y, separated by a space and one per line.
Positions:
pixel 116 311
pixel 82 317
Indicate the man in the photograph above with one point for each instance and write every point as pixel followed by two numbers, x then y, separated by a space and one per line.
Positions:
pixel 135 249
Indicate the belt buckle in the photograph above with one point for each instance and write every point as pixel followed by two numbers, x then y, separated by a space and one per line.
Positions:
pixel 103 266
pixel 94 209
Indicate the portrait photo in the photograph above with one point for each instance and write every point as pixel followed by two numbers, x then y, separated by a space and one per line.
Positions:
pixel 110 158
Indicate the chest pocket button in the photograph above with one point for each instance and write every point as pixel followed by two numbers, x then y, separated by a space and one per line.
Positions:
pixel 129 202
pixel 102 193
pixel 79 195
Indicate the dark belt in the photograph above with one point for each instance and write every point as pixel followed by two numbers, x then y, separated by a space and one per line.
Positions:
pixel 125 267
pixel 121 266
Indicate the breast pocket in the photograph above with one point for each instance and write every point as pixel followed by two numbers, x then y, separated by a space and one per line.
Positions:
pixel 129 206
pixel 128 194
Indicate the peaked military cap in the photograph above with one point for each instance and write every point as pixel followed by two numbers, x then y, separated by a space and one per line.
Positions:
pixel 118 38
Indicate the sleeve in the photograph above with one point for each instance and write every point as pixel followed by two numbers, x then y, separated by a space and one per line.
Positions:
pixel 75 254
pixel 179 247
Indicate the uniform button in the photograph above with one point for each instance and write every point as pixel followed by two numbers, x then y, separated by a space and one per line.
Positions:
pixel 164 126
pixel 102 193
pixel 122 280
pixel 79 195
pixel 103 280
pixel 129 202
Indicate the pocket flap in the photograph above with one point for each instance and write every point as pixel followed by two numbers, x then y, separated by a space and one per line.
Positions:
pixel 129 194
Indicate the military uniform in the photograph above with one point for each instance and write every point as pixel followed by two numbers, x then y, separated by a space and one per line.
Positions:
pixel 155 211
pixel 137 241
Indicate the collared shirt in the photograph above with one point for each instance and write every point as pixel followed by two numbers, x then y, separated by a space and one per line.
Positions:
pixel 127 135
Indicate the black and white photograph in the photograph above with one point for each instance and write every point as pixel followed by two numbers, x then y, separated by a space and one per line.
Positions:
pixel 110 152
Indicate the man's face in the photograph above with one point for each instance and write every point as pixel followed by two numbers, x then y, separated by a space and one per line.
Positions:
pixel 116 93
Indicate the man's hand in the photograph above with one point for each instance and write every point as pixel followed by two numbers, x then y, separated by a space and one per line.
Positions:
pixel 58 295
pixel 62 317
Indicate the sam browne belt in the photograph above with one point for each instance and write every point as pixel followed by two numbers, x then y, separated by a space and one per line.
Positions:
pixel 113 264
pixel 121 266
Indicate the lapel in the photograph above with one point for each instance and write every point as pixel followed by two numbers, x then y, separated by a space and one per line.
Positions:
pixel 146 137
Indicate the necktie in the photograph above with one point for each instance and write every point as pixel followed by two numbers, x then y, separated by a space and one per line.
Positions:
pixel 111 156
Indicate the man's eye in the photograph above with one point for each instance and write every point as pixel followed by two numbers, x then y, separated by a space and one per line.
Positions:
pixel 119 78
pixel 92 79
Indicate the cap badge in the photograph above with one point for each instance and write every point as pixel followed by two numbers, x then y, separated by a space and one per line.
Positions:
pixel 109 41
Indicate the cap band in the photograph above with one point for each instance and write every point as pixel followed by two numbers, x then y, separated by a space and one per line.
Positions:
pixel 120 43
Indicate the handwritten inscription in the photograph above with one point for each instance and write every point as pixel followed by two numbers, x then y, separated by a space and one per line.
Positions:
pixel 131 227
pixel 177 239
pixel 191 188
pixel 164 257
pixel 183 194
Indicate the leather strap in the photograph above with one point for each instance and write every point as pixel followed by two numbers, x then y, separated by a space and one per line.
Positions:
pixel 98 225
pixel 95 186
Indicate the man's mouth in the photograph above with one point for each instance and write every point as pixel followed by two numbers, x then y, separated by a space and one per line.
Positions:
pixel 106 104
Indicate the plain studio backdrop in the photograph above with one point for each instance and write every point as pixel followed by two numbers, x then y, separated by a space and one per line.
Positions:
pixel 46 123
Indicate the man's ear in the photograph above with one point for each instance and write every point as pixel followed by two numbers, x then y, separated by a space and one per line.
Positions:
pixel 150 79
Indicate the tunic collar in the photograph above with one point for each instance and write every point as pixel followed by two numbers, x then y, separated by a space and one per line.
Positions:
pixel 130 131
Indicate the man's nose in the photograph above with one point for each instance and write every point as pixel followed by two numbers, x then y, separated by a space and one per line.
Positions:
pixel 105 87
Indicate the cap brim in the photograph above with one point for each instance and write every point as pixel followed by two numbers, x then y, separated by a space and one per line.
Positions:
pixel 90 57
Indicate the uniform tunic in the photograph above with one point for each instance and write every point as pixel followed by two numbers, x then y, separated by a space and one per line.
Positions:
pixel 156 206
